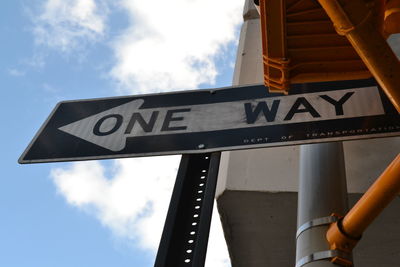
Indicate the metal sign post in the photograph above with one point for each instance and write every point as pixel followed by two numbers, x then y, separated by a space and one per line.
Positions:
pixel 322 192
pixel 186 230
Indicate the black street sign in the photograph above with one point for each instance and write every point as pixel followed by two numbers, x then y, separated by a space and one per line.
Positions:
pixel 203 121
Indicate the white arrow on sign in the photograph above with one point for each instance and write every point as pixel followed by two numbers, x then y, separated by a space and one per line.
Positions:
pixel 111 128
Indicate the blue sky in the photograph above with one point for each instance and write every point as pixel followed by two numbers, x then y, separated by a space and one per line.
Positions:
pixel 107 213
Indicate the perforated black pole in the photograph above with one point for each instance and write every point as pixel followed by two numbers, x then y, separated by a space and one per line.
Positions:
pixel 186 230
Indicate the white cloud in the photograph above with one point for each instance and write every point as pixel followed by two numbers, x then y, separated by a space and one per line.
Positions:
pixel 130 201
pixel 173 45
pixel 217 252
pixel 169 45
pixel 50 89
pixel 15 72
pixel 68 24
pixel 131 198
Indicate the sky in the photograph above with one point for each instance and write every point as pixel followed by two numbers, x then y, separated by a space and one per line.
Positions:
pixel 109 212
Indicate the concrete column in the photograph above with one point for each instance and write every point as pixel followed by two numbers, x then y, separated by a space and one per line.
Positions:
pixel 257 189
pixel 259 227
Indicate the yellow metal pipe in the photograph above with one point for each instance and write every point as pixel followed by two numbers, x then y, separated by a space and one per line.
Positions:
pixel 392 17
pixel 361 21
pixel 378 196
pixel 344 235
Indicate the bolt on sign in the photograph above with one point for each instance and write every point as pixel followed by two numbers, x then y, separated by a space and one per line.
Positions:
pixel 203 121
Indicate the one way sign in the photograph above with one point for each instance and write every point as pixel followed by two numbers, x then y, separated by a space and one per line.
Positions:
pixel 212 120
